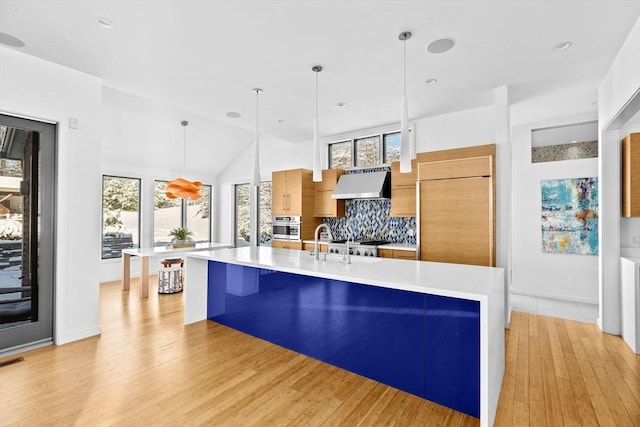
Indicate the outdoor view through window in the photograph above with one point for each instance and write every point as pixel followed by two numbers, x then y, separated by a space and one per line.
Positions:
pixel 242 205
pixel 10 232
pixel 120 215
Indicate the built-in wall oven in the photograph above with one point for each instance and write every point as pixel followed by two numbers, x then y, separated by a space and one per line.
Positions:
pixel 286 227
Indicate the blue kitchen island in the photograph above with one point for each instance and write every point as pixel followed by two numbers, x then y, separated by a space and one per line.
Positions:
pixel 432 329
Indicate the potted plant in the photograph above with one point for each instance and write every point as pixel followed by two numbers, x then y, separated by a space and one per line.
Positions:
pixel 181 238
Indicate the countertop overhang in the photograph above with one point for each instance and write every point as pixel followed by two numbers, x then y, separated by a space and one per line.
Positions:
pixel 453 280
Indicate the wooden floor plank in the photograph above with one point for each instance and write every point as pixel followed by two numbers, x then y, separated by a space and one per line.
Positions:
pixel 147 368
pixel 554 374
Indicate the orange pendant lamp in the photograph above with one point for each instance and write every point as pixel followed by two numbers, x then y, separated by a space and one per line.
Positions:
pixel 181 188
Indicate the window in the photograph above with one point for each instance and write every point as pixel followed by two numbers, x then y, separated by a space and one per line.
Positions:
pixel 340 155
pixel 243 214
pixel 243 218
pixel 368 151
pixel 391 147
pixel 120 215
pixel 265 214
pixel 198 218
pixel 168 214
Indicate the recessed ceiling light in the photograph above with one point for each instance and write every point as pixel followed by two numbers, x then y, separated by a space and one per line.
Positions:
pixel 440 45
pixel 574 141
pixel 561 46
pixel 341 104
pixel 430 81
pixel 105 23
pixel 233 114
pixel 280 121
pixel 10 40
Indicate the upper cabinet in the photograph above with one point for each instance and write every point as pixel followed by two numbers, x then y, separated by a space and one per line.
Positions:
pixel 324 205
pixel 287 188
pixel 631 175
pixel 403 190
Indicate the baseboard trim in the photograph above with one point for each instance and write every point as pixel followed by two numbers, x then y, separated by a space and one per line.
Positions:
pixel 553 296
pixel 76 336
pixel 26 347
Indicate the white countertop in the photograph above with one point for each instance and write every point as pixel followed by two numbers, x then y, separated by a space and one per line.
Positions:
pixel 163 250
pixel 632 259
pixel 453 280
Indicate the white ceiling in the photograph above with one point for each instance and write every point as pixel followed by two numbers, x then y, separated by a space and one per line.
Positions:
pixel 206 56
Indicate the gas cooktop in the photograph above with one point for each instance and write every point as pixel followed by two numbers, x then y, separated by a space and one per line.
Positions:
pixel 370 242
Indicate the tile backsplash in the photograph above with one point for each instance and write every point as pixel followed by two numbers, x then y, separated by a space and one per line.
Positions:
pixel 369 219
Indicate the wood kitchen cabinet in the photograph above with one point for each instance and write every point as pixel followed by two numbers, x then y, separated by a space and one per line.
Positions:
pixel 287 244
pixel 457 207
pixel 403 190
pixel 631 175
pixel 287 188
pixel 397 254
pixel 292 195
pixel 324 205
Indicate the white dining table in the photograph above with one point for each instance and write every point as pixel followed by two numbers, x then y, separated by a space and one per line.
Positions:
pixel 164 251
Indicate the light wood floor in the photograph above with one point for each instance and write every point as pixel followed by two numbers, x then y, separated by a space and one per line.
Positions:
pixel 148 369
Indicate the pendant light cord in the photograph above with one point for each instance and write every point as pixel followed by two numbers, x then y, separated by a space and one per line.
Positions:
pixel 404 67
pixel 184 149
pixel 184 124
pixel 316 95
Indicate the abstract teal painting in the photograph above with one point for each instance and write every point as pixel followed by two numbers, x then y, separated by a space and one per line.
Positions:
pixel 570 216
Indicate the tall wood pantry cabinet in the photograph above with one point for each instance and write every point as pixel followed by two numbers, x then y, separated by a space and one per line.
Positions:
pixel 457 206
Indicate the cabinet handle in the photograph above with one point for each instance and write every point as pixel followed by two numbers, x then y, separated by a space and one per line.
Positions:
pixel 283 197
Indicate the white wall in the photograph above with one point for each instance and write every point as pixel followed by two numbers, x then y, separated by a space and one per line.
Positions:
pixel 619 87
pixel 275 154
pixel 144 139
pixel 564 276
pixel 38 89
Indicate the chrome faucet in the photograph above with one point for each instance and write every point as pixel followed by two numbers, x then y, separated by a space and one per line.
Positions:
pixel 316 249
pixel 346 257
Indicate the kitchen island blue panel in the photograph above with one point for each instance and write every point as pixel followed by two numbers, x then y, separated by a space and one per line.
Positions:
pixel 384 334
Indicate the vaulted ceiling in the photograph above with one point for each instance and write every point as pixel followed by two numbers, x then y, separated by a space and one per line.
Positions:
pixel 207 56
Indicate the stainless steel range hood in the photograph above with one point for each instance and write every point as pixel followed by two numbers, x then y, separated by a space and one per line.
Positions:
pixel 370 185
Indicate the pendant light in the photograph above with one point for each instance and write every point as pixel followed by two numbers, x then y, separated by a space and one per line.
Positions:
pixel 317 172
pixel 181 188
pixel 255 181
pixel 405 143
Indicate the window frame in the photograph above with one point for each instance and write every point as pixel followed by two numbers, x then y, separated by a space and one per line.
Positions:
pixel 342 141
pixel 183 213
pixel 354 157
pixel 353 149
pixel 384 145
pixel 139 221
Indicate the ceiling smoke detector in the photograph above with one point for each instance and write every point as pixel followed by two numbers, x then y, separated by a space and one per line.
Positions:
pixel 233 114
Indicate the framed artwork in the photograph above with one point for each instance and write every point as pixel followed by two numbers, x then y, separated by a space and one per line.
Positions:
pixel 570 216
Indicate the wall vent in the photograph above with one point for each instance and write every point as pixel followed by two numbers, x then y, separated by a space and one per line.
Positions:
pixel 11 362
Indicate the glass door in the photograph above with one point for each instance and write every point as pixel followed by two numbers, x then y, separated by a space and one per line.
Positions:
pixel 27 165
